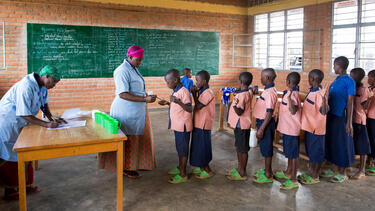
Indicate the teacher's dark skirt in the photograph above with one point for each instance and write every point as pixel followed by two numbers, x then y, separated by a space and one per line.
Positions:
pixel 201 149
pixel 339 144
pixel 371 135
pixel 361 142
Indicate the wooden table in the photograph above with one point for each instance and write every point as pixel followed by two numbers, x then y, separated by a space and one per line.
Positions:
pixel 38 143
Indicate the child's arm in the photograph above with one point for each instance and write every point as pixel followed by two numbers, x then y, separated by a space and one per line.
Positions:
pixel 324 108
pixel 163 102
pixel 260 131
pixel 292 108
pixel 369 98
pixel 186 107
pixel 349 126
pixel 239 111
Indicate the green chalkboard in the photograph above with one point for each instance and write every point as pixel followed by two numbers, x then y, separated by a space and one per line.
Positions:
pixel 95 52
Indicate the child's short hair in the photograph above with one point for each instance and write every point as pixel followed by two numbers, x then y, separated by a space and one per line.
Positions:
pixel 294 77
pixel 246 78
pixel 317 75
pixel 204 75
pixel 342 61
pixel 271 72
pixel 174 73
pixel 186 70
pixel 371 73
pixel 359 72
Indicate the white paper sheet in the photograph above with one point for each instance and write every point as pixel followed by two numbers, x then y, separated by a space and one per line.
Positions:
pixel 71 113
pixel 70 124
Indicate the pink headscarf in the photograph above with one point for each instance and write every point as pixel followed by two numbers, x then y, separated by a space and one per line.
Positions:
pixel 135 51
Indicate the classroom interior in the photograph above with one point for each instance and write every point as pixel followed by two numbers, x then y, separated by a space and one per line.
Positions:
pixel 300 35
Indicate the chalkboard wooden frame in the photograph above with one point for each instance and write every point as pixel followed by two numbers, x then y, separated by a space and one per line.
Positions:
pixel 95 52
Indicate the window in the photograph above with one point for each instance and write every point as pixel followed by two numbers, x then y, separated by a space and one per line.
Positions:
pixel 278 40
pixel 353 33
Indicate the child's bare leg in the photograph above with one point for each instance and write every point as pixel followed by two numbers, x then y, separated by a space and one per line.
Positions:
pixel 239 161
pixel 341 170
pixel 294 167
pixel 370 161
pixel 288 170
pixel 316 170
pixel 268 167
pixel 243 161
pixel 362 168
pixel 182 162
pixel 207 169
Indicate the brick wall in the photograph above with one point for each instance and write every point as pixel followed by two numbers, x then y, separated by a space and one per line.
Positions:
pixel 99 92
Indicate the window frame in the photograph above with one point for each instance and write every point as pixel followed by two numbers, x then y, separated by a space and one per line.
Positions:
pixel 285 31
pixel 357 26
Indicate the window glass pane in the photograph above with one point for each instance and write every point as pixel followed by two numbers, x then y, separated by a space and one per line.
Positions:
pixel 367 65
pixel 343 50
pixel 367 51
pixel 276 63
pixel 294 47
pixel 295 19
pixel 260 50
pixel 277 44
pixel 261 23
pixel 368 34
pixel 368 11
pixel 344 35
pixel 345 12
pixel 277 21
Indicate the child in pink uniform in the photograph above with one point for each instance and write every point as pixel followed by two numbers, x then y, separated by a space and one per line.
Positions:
pixel 204 114
pixel 180 121
pixel 289 126
pixel 314 114
pixel 239 118
pixel 360 135
pixel 264 114
pixel 371 123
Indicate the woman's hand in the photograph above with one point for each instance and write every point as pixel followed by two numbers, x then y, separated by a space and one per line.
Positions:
pixel 150 98
pixel 60 121
pixel 52 124
pixel 163 102
pixel 349 129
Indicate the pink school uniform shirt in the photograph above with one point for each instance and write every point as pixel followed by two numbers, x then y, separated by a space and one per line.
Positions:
pixel 244 98
pixel 181 119
pixel 360 98
pixel 290 124
pixel 204 118
pixel 371 107
pixel 266 102
pixel 313 120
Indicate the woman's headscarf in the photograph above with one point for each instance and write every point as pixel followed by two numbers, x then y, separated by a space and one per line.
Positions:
pixel 50 71
pixel 135 51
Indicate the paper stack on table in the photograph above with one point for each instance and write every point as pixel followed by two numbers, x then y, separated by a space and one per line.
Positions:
pixel 70 124
pixel 72 113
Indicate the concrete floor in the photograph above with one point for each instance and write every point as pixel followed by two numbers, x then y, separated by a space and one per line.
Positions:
pixel 75 183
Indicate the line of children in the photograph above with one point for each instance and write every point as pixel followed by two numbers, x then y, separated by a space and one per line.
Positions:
pixel 329 118
pixel 182 122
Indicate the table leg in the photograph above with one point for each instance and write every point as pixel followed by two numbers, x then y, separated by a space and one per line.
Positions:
pixel 120 161
pixel 21 182
pixel 221 117
pixel 36 165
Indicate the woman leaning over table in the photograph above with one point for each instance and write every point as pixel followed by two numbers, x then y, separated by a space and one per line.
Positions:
pixel 129 107
pixel 18 108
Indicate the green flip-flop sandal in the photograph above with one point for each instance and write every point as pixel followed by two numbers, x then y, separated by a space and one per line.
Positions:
pixel 178 179
pixel 174 171
pixel 280 175
pixel 197 170
pixel 309 181
pixel 302 176
pixel 204 175
pixel 371 171
pixel 259 173
pixel 327 173
pixel 230 172
pixel 338 178
pixel 236 177
pixel 263 179
pixel 289 185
